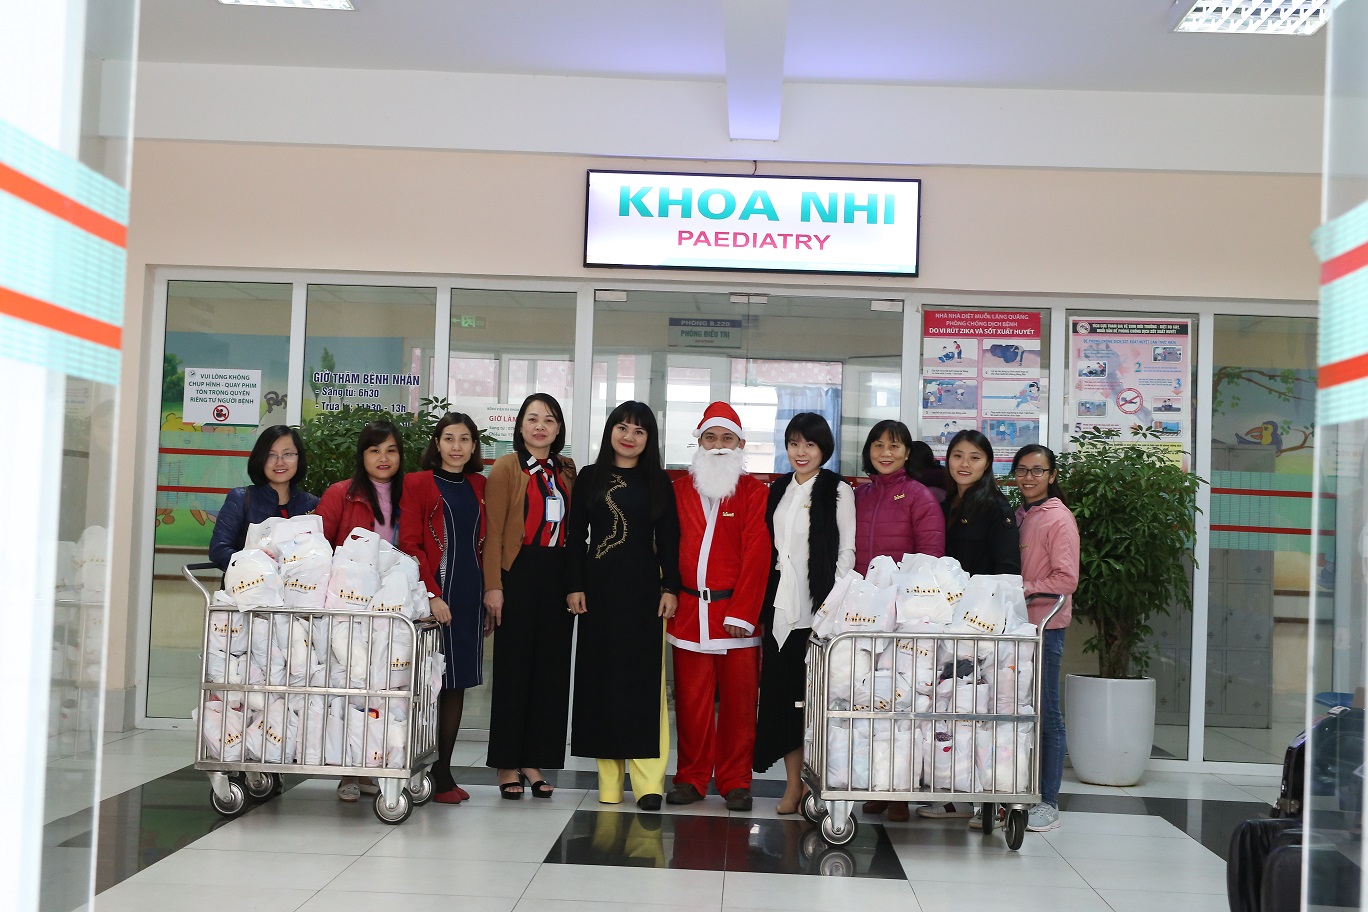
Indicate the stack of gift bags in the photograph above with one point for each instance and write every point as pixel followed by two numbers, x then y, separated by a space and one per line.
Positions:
pixel 348 642
pixel 892 670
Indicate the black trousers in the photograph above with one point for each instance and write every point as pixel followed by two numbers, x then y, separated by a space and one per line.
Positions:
pixel 530 698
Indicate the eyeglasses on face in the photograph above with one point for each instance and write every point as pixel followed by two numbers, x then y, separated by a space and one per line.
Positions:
pixel 1033 471
pixel 282 457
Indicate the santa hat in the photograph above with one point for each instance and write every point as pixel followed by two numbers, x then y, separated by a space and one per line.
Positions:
pixel 720 415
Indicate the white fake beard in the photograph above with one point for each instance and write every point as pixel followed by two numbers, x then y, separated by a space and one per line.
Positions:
pixel 716 472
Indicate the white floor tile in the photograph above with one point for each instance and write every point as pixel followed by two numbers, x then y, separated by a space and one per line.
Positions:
pixel 1185 785
pixel 139 896
pixel 941 895
pixel 1141 901
pixel 944 838
pixel 470 843
pixel 1206 876
pixel 646 887
pixel 1264 794
pixel 1074 845
pixel 1007 870
pixel 219 868
pixel 815 894
pixel 333 901
pixel 490 796
pixel 275 828
pixel 453 877
pixel 576 905
pixel 1118 824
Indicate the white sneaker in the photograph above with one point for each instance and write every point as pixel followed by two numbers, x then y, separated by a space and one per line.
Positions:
pixel 1043 817
pixel 976 822
pixel 942 811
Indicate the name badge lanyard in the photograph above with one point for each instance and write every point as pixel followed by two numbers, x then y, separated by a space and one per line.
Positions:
pixel 554 507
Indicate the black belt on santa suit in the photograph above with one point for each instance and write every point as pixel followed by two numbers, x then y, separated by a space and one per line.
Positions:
pixel 708 595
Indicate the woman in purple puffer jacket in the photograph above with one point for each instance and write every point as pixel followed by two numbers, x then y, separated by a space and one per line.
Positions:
pixel 894 515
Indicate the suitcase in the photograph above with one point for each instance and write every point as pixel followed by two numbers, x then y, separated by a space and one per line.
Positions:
pixel 1338 738
pixel 1252 846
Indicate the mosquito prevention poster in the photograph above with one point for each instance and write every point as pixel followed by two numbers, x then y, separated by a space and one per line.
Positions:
pixel 1129 374
pixel 981 371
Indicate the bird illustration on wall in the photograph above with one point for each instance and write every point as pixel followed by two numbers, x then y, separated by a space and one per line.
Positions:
pixel 1265 434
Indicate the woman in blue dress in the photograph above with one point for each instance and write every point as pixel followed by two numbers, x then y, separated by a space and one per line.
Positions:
pixel 441 524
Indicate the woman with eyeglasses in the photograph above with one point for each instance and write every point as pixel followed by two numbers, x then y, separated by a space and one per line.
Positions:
pixel 276 467
pixel 1049 563
pixel 527 503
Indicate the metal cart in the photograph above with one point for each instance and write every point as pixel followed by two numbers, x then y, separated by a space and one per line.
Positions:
pixel 311 689
pixel 868 740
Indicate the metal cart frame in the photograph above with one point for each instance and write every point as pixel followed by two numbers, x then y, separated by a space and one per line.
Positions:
pixel 233 782
pixel 832 807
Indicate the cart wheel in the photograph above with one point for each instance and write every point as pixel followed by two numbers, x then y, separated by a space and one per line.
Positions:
pixel 261 785
pixel 836 863
pixel 988 814
pixel 1015 828
pixel 813 810
pixel 423 794
pixel 837 835
pixel 397 814
pixel 236 803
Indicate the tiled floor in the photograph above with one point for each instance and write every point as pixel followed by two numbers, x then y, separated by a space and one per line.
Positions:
pixel 1159 843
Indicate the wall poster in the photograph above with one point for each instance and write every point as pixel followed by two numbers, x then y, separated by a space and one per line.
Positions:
pixel 1130 374
pixel 981 370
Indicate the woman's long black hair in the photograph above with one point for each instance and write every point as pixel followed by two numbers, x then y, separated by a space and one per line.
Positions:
pixel 982 492
pixel 1030 449
pixel 640 414
pixel 374 433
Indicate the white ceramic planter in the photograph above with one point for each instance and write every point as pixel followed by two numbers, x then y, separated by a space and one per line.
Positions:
pixel 1111 727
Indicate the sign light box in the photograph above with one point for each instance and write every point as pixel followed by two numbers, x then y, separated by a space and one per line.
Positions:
pixel 770 224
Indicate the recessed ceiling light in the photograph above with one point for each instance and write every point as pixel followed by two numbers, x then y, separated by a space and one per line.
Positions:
pixel 297 4
pixel 1255 17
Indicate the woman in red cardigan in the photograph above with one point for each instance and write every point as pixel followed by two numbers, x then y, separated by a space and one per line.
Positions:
pixel 441 525
pixel 366 500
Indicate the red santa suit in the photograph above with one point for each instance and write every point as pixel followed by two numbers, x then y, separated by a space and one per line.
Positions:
pixel 724 559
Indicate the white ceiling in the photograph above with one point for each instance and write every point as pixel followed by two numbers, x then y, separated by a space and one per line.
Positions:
pixel 1084 45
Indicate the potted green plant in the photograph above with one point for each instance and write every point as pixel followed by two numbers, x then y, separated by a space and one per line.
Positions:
pixel 1136 507
pixel 330 438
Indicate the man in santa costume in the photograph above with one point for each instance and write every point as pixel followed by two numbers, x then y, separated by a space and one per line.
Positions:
pixel 724 553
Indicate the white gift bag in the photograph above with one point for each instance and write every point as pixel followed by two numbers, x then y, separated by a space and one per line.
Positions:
pixel 825 618
pixel 222 732
pixel 362 546
pixel 894 757
pixel 260 536
pixel 253 581
pixel 298 537
pixel 391 655
pixel 919 598
pixel 351 650
pixel 228 632
pixel 351 585
pixel 881 570
pixel 365 738
pixel 1003 758
pixel 393 595
pixel 396 745
pixel 387 557
pixel 848 661
pixel 304 581
pixel 952 762
pixel 952 579
pixel 323 732
pixel 867 607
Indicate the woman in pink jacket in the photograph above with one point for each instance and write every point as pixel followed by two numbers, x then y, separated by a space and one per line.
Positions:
pixel 894 515
pixel 1049 563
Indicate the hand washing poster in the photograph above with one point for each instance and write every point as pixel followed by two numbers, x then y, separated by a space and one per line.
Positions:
pixel 1132 374
pixel 981 370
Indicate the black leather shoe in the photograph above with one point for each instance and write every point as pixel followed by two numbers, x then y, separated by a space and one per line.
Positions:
pixel 739 800
pixel 649 802
pixel 683 793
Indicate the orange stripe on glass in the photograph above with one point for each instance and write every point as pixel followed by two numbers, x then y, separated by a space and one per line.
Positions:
pixel 59 319
pixel 63 207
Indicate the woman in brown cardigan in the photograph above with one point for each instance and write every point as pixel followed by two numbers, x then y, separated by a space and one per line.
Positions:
pixel 527 502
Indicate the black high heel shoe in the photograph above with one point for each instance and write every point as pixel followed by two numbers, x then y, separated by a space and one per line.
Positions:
pixel 540 789
pixel 507 789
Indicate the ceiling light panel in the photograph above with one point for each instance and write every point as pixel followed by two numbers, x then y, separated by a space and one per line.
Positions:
pixel 295 4
pixel 1256 17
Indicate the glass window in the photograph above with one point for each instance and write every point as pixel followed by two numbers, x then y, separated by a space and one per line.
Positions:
pixel 1118 377
pixel 210 327
pixel 770 357
pixel 506 345
pixel 367 346
pixel 1264 575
